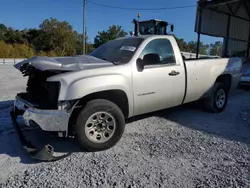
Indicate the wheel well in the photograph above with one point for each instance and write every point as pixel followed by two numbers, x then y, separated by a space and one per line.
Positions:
pixel 118 97
pixel 225 79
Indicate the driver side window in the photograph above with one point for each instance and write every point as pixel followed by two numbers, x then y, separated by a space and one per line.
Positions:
pixel 163 48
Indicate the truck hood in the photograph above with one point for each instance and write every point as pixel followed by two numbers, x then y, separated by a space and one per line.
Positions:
pixel 56 64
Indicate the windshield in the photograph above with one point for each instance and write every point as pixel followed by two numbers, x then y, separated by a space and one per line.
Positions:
pixel 119 51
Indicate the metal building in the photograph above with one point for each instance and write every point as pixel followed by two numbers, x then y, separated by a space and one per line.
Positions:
pixel 229 19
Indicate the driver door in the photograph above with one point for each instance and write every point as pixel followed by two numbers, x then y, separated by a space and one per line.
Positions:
pixel 155 87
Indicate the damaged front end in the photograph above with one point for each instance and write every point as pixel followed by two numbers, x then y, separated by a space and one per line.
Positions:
pixel 39 107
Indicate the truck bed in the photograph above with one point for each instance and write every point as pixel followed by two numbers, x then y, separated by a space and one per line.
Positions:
pixel 202 73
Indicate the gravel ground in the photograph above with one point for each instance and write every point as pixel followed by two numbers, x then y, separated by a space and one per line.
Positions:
pixel 179 147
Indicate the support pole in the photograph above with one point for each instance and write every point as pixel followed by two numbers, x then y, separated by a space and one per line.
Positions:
pixel 199 35
pixel 227 37
pixel 248 45
pixel 84 27
pixel 198 46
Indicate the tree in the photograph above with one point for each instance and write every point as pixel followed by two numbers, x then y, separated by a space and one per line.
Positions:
pixel 216 48
pixel 53 38
pixel 181 43
pixel 60 36
pixel 114 31
pixel 15 50
pixel 90 48
pixel 38 40
pixel 6 50
pixel 22 50
pixel 14 36
pixel 203 48
pixel 57 38
pixel 191 47
pixel 79 44
pixel 3 30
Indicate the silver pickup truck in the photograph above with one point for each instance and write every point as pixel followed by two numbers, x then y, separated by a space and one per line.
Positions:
pixel 88 97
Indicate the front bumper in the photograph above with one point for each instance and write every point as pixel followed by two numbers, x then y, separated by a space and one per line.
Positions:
pixel 32 114
pixel 47 120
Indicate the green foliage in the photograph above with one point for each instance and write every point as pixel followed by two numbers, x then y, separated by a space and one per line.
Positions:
pixel 90 48
pixel 15 50
pixel 38 40
pixel 53 38
pixel 5 50
pixel 79 44
pixel 3 30
pixel 57 38
pixel 182 44
pixel 61 36
pixel 205 49
pixel 114 31
pixel 216 48
pixel 22 50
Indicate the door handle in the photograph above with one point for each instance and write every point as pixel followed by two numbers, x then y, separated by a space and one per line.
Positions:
pixel 173 73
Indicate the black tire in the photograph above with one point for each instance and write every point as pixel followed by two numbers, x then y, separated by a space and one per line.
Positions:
pixel 210 103
pixel 91 108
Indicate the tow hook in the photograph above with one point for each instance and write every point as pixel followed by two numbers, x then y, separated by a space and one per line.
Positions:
pixel 45 154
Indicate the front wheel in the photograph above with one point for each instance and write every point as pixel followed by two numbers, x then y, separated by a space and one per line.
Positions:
pixel 100 125
pixel 217 101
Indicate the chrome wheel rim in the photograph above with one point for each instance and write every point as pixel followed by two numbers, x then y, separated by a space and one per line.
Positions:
pixel 100 127
pixel 220 98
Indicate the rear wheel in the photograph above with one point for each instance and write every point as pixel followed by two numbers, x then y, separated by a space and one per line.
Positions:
pixel 100 125
pixel 217 101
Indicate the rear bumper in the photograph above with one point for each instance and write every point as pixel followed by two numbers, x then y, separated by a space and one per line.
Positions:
pixel 47 120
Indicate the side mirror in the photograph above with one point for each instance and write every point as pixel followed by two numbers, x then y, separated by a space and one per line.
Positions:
pixel 148 59
pixel 172 28
pixel 140 64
